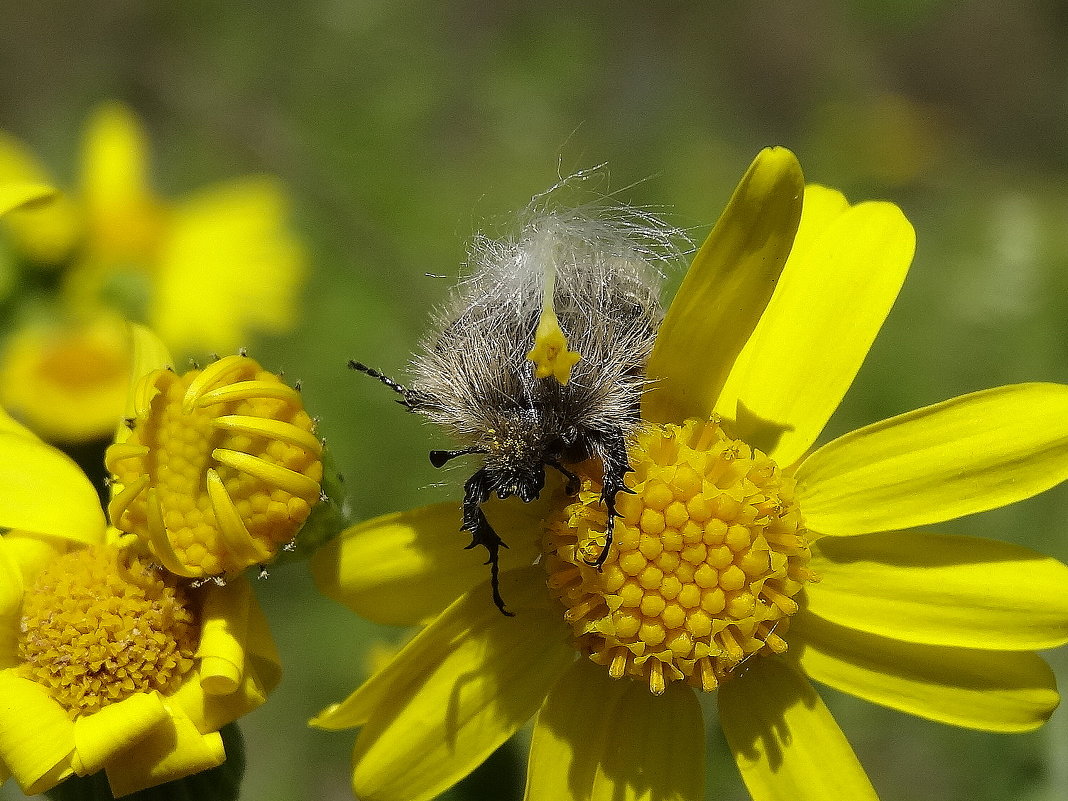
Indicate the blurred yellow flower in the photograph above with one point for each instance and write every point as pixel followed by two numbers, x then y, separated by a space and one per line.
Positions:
pixel 106 663
pixel 206 272
pixel 744 563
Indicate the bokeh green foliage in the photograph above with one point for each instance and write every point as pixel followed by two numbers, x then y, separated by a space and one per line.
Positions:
pixel 402 128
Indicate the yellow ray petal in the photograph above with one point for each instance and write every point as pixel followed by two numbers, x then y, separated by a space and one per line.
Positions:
pixel 116 727
pixel 222 639
pixel 599 739
pixel 46 232
pixel 33 476
pixel 457 691
pixel 14 194
pixel 1006 691
pixel 402 568
pixel 964 455
pixel 170 751
pixel 786 744
pixel 844 272
pixel 149 355
pixel 229 266
pixel 943 590
pixel 726 290
pixel 36 736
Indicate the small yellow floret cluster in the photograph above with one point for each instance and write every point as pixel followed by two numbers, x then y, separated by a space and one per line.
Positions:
pixel 706 558
pixel 99 626
pixel 221 470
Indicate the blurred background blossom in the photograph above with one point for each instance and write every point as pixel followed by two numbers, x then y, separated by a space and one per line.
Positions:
pixel 394 130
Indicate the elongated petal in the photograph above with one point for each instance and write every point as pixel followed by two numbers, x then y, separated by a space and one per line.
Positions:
pixel 455 692
pixel 21 193
pixel 222 638
pixel 44 491
pixel 149 355
pixel 11 590
pixel 36 737
pixel 726 290
pixel 403 568
pixel 1006 691
pixel 599 739
pixel 843 275
pixel 45 232
pixel 964 455
pixel 786 744
pixel 943 590
pixel 116 727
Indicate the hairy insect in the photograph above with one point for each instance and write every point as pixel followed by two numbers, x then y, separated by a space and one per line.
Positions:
pixel 538 358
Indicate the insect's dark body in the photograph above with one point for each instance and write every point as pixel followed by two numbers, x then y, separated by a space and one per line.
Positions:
pixel 472 375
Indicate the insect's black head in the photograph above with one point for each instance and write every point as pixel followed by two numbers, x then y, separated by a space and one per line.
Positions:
pixel 525 480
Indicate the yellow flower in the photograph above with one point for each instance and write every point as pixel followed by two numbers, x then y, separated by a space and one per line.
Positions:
pixel 206 272
pixel 107 663
pixel 219 468
pixel 745 562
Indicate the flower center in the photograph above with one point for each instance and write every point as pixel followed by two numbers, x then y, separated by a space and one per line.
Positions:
pixel 99 626
pixel 706 558
pixel 221 469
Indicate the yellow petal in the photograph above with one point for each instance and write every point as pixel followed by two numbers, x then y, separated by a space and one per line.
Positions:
pixel 116 727
pixel 170 751
pixel 786 744
pixel 45 232
pixel 44 491
pixel 844 272
pixel 222 638
pixel 964 455
pixel 943 590
pixel 21 193
pixel 599 739
pixel 726 290
pixel 11 591
pixel 36 736
pixel 1006 691
pixel 149 355
pixel 229 266
pixel 457 691
pixel 402 568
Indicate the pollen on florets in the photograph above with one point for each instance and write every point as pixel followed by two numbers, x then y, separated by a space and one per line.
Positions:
pixel 221 469
pixel 99 625
pixel 707 557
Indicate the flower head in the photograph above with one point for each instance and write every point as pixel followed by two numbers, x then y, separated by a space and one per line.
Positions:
pixel 744 561
pixel 220 469
pixel 108 663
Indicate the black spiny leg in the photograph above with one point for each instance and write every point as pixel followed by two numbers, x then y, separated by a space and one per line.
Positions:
pixel 573 482
pixel 409 398
pixel 613 455
pixel 477 491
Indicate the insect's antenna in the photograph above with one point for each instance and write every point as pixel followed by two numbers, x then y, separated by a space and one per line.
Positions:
pixel 439 458
pixel 409 398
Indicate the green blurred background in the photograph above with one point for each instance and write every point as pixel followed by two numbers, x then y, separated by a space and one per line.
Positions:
pixel 401 128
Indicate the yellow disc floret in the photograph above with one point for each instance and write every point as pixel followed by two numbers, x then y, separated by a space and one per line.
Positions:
pixel 221 469
pixel 99 625
pixel 706 558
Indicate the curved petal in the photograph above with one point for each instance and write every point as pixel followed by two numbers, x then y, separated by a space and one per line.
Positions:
pixel 843 275
pixel 11 591
pixel 725 291
pixel 599 739
pixel 1006 691
pixel 942 590
pixel 149 355
pixel 171 750
pixel 965 455
pixel 20 193
pixel 457 691
pixel 44 491
pixel 222 636
pixel 46 232
pixel 36 737
pixel 403 568
pixel 786 744
pixel 116 727
pixel 229 265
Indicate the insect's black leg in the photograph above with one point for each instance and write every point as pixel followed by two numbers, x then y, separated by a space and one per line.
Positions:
pixel 409 398
pixel 573 482
pixel 614 459
pixel 477 491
